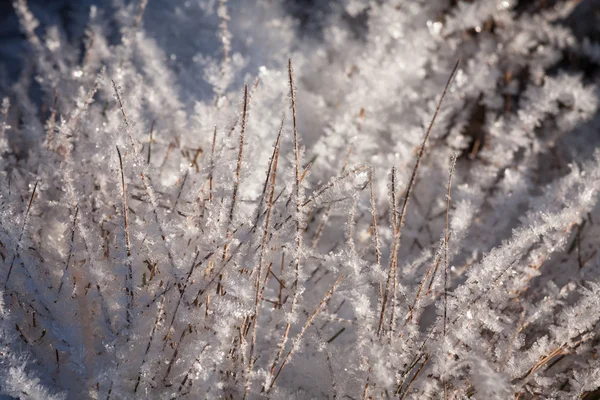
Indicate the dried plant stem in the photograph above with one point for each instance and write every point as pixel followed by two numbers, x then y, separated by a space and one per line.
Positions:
pixel 70 255
pixel 447 240
pixel 367 383
pixel 264 244
pixel 182 290
pixel 259 207
pixel 394 259
pixel 130 286
pixel 327 213
pixel 434 267
pixel 180 190
pixel 71 124
pixel 414 378
pixel 447 256
pixel 298 219
pixel 410 187
pixel 51 123
pixel 376 241
pixel 125 209
pixel 21 234
pixel 317 193
pixel 125 119
pixel 150 140
pixel 238 170
pixel 304 328
pixel 138 168
pixel 150 340
pixel 296 187
pixel 212 165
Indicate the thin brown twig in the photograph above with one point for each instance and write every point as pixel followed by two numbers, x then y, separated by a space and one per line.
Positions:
pixel 238 171
pixel 264 244
pixel 51 122
pixel 21 234
pixel 333 182
pixel 269 171
pixel 412 181
pixel 70 255
pixel 125 208
pixel 367 383
pixel 414 378
pixel 152 332
pixel 297 185
pixel 304 328
pixel 130 285
pixel 376 241
pixel 298 216
pixel 447 240
pixel 434 267
pixel 182 291
pixel 120 102
pixel 212 165
pixel 447 255
pixel 327 213
pixel 394 258
pixel 150 141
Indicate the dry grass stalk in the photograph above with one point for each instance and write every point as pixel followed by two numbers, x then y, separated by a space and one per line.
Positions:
pixel 70 255
pixel 304 328
pixel 447 240
pixel 296 186
pixel 238 170
pixel 298 218
pixel 367 383
pixel 21 234
pixel 125 119
pixel 150 141
pixel 182 291
pixel 446 256
pixel 322 189
pixel 145 182
pixel 327 212
pixel 73 119
pixel 130 286
pixel 150 340
pixel 125 208
pixel 51 123
pixel 394 259
pixel 212 164
pixel 264 245
pixel 409 189
pixel 414 378
pixel 263 195
pixel 376 241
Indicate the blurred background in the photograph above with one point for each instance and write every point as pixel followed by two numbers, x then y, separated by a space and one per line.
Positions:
pixel 71 17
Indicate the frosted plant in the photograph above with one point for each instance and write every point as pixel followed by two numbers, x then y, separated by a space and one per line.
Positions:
pixel 200 200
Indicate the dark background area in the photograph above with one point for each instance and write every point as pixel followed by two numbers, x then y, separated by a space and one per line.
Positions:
pixel 71 16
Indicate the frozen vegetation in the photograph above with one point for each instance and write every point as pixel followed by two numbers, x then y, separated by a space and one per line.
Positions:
pixel 381 199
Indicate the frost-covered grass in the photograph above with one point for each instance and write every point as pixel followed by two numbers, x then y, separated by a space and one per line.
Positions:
pixel 199 200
